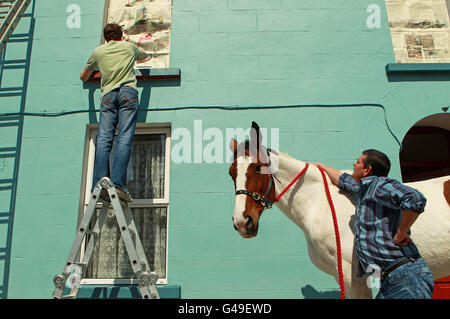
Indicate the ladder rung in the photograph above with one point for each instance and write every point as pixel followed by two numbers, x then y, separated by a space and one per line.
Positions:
pixel 8 155
pixel 10 123
pixel 14 61
pixel 7 149
pixel 9 118
pixel 13 88
pixel 4 218
pixel 20 35
pixel 6 181
pixel 14 67
pixel 11 94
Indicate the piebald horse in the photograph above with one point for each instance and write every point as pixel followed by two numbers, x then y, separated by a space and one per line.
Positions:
pixel 306 204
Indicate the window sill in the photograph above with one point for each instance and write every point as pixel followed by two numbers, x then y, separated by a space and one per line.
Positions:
pixel 123 292
pixel 146 74
pixel 417 68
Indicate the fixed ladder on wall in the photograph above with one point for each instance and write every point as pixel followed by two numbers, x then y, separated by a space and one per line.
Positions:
pixel 11 11
pixel 15 56
pixel 109 195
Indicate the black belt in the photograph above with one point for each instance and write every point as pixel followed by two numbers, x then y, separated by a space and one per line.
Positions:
pixel 403 261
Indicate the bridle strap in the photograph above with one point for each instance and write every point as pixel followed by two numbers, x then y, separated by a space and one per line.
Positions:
pixel 263 200
pixel 267 203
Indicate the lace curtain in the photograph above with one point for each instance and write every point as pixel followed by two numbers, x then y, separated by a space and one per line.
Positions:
pixel 145 180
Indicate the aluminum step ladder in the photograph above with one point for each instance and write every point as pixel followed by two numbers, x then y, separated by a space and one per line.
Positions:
pixel 11 11
pixel 108 194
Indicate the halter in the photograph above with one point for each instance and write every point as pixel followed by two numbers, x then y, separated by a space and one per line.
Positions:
pixel 266 203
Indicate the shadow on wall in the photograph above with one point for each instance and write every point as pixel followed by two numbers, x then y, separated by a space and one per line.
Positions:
pixel 13 87
pixel 309 292
pixel 144 97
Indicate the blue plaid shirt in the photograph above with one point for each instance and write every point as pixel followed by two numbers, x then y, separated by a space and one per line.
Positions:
pixel 379 202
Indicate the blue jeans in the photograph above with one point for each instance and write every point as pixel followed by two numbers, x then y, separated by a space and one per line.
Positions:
pixel 412 280
pixel 118 109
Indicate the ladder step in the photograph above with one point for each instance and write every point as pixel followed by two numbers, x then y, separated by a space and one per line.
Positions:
pixel 12 88
pixel 9 118
pixel 10 123
pixel 14 67
pixel 4 182
pixel 14 61
pixel 20 35
pixel 2 253
pixel 11 94
pixel 7 152
pixel 8 155
pixel 4 218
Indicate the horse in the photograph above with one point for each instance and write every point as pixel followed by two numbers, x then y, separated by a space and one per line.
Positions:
pixel 306 204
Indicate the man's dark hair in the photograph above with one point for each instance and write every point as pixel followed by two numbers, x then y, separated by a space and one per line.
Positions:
pixel 112 31
pixel 379 161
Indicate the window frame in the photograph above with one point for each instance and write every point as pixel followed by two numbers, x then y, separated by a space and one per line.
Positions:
pixel 86 184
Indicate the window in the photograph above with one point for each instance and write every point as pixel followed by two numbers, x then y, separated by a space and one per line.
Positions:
pixel 146 23
pixel 148 183
pixel 420 30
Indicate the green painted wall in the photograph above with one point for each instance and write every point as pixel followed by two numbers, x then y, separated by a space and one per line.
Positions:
pixel 231 53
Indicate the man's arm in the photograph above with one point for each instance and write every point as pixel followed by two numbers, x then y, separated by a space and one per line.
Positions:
pixel 410 201
pixel 401 238
pixel 332 173
pixel 143 56
pixel 85 74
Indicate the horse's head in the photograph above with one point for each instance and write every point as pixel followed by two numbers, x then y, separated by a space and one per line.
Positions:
pixel 253 183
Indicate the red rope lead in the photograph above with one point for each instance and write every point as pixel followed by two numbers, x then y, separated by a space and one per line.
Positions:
pixel 292 182
pixel 336 232
pixel 333 212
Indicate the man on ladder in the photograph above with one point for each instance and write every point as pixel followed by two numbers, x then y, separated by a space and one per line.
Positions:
pixel 119 104
pixel 118 109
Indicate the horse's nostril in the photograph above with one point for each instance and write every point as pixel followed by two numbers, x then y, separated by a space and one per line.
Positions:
pixel 249 224
pixel 235 228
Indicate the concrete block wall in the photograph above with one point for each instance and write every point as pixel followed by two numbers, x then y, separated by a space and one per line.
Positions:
pixel 231 53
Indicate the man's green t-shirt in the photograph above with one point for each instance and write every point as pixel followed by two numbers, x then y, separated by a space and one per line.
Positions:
pixel 115 61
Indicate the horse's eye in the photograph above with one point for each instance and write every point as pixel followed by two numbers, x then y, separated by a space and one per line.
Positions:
pixel 258 169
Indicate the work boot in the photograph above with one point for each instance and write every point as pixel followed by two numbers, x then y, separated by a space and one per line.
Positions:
pixel 123 195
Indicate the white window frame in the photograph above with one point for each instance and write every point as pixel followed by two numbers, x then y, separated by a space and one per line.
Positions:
pixel 86 185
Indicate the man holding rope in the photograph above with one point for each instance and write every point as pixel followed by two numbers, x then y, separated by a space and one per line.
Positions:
pixel 385 211
pixel 119 104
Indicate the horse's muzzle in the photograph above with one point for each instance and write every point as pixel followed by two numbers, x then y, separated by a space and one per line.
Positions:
pixel 247 228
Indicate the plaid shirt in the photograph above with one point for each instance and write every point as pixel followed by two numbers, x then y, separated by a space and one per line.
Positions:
pixel 379 202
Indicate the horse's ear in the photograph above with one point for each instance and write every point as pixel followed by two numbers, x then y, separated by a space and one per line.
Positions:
pixel 255 135
pixel 233 145
pixel 255 141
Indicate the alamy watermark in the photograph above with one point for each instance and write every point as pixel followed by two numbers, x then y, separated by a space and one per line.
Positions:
pixel 74 279
pixel 373 21
pixel 211 144
pixel 74 19
pixel 374 277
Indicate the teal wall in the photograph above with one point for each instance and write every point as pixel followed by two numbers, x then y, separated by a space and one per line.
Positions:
pixel 231 53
